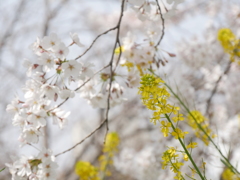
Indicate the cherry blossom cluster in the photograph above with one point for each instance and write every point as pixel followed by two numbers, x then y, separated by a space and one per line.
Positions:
pixel 48 76
pixel 150 10
pixel 40 167
pixel 139 57
pixel 51 80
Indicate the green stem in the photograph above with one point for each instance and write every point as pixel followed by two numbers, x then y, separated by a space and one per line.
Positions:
pixel 202 129
pixel 185 149
pixel 227 163
pixel 2 169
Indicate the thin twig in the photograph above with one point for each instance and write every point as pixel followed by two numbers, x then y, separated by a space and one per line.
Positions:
pixel 33 146
pixel 92 77
pixel 119 57
pixel 95 41
pixel 216 86
pixel 79 87
pixel 57 9
pixel 51 14
pixel 117 41
pixel 89 135
pixel 163 24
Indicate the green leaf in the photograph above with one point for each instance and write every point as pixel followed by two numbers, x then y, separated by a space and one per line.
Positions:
pixel 2 169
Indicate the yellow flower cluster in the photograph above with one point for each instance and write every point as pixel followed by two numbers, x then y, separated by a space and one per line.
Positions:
pixel 229 175
pixel 230 43
pixel 109 149
pixel 86 171
pixel 200 124
pixel 171 158
pixel 111 144
pixel 155 96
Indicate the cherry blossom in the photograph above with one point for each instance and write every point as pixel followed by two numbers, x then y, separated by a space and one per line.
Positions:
pixel 47 61
pixel 71 68
pixel 61 51
pixel 76 40
pixel 50 42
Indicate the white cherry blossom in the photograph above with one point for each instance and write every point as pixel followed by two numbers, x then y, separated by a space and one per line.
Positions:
pixel 50 42
pixel 76 40
pixel 86 71
pixel 61 51
pixel 71 68
pixel 47 61
pixel 98 100
pixel 13 107
pixel 88 89
pixel 23 167
pixel 49 91
pixel 36 47
pixel 60 117
pixel 30 135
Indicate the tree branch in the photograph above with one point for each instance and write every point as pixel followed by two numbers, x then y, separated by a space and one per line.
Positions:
pixel 163 24
pixel 216 86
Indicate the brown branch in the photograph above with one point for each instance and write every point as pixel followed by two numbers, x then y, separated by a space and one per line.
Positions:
pixel 89 135
pixel 50 15
pixel 56 10
pixel 95 41
pixel 10 29
pixel 117 42
pixel 216 86
pixel 92 77
pixel 120 54
pixel 163 24
pixel 111 75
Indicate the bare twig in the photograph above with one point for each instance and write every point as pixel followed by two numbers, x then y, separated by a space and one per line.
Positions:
pixel 119 56
pixel 33 146
pixel 51 14
pixel 216 86
pixel 57 9
pixel 95 41
pixel 92 77
pixel 89 135
pixel 163 24
pixel 117 41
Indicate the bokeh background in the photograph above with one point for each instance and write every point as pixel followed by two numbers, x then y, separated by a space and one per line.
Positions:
pixel 198 73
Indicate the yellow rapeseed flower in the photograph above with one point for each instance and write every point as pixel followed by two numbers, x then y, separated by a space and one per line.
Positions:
pixel 111 144
pixel 86 171
pixel 178 133
pixel 197 120
pixel 229 175
pixel 230 43
pixel 192 145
